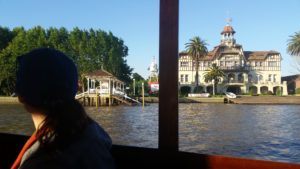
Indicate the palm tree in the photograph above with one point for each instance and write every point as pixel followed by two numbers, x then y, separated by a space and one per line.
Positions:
pixel 197 49
pixel 214 75
pixel 294 44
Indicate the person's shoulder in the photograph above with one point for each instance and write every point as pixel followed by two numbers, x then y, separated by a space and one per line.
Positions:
pixel 46 160
pixel 92 150
pixel 94 132
pixel 93 140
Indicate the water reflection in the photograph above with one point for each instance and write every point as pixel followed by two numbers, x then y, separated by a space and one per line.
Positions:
pixel 129 125
pixel 14 119
pixel 261 132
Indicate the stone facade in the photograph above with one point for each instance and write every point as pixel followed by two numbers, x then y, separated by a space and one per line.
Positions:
pixel 258 72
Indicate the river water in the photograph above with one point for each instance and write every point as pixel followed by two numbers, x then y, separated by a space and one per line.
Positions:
pixel 269 132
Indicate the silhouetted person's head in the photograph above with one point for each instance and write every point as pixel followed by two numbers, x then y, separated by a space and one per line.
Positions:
pixel 47 85
pixel 46 76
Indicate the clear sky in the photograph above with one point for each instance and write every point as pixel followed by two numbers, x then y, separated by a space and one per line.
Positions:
pixel 259 24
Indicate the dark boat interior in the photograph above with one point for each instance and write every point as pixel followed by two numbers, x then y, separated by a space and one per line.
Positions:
pixel 135 157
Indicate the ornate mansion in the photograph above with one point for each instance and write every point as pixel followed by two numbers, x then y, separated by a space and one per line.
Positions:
pixel 245 71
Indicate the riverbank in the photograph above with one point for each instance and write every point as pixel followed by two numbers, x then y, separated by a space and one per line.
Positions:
pixel 188 99
pixel 240 100
pixel 14 100
pixel 266 100
pixel 8 100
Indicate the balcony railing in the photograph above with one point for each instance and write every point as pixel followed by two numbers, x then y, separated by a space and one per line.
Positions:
pixel 237 67
pixel 265 82
pixel 234 81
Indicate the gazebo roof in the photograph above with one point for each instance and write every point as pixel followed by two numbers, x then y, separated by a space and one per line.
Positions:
pixel 101 75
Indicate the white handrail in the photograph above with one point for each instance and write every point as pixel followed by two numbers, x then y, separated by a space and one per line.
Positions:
pixel 80 95
pixel 106 91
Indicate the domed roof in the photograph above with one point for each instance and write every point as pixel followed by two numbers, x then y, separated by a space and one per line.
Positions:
pixel 228 29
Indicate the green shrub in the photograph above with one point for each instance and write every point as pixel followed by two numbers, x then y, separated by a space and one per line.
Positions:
pixel 154 94
pixel 251 92
pixel 218 95
pixel 184 91
pixel 297 91
pixel 278 91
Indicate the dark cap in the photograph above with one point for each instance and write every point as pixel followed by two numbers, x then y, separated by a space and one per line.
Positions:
pixel 44 76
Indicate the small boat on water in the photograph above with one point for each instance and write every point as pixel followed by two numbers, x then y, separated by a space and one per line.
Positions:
pixel 230 95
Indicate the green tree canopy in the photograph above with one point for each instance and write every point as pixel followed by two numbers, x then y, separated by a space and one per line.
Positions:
pixel 6 36
pixel 214 74
pixel 137 77
pixel 137 81
pixel 197 49
pixel 294 44
pixel 90 50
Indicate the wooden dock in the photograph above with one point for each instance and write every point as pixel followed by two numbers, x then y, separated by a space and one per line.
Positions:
pixel 9 100
pixel 93 99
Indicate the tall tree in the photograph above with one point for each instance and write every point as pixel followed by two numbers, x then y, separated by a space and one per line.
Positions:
pixel 294 44
pixel 115 61
pixel 8 57
pixel 89 49
pixel 6 36
pixel 197 49
pixel 214 74
pixel 36 38
pixel 137 77
pixel 58 39
pixel 137 81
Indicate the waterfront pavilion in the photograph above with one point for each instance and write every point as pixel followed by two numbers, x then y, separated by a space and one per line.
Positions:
pixel 102 84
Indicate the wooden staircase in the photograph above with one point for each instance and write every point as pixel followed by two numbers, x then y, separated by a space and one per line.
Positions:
pixel 123 100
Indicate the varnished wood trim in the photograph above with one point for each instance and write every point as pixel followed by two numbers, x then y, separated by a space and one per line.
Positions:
pixel 168 75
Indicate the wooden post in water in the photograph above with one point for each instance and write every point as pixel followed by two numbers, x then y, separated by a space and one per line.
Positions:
pixel 143 96
pixel 168 75
pixel 97 98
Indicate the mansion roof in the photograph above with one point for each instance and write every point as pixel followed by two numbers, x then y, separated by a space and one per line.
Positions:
pixel 225 50
pixel 258 55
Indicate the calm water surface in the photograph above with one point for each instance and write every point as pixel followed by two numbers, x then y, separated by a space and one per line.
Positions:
pixel 270 132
